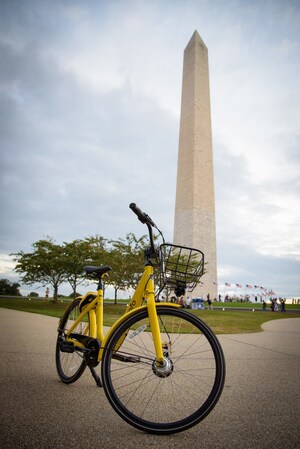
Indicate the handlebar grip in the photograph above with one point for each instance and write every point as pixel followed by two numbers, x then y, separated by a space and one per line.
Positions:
pixel 144 218
pixel 138 212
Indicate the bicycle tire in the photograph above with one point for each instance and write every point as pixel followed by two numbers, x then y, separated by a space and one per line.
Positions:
pixel 170 401
pixel 70 366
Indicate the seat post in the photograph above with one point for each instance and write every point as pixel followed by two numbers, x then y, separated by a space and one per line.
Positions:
pixel 100 283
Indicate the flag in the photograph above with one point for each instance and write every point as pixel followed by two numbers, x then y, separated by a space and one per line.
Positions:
pixel 239 285
pixel 227 285
pixel 215 283
pixel 248 286
pixel 256 286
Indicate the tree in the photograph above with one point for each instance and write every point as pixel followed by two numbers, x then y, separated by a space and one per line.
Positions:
pixel 52 264
pixel 75 256
pixel 79 253
pixel 33 295
pixel 9 288
pixel 45 265
pixel 97 254
pixel 126 257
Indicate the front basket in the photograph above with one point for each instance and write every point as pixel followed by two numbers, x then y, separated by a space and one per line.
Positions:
pixel 180 265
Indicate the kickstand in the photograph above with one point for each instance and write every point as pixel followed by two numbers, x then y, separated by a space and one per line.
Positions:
pixel 96 377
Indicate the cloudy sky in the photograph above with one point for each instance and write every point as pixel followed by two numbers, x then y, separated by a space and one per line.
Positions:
pixel 89 122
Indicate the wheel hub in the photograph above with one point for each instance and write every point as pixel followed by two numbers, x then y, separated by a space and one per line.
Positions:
pixel 164 369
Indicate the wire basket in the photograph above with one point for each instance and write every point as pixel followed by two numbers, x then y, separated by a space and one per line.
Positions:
pixel 180 265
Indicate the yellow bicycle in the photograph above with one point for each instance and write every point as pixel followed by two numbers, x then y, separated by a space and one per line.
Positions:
pixel 162 368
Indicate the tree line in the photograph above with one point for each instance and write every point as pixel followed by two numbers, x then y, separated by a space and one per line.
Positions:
pixel 9 288
pixel 49 263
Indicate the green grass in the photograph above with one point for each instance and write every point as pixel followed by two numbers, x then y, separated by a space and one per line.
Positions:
pixel 238 322
pixel 221 322
pixel 252 305
pixel 35 306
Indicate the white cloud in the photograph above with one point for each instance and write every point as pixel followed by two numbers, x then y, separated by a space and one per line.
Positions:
pixel 6 264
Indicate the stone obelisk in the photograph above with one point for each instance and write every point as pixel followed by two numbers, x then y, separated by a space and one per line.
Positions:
pixel 194 223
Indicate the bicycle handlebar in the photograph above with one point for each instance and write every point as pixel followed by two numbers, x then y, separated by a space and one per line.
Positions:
pixel 145 219
pixel 142 216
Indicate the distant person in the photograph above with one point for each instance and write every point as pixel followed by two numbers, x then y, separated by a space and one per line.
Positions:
pixel 264 306
pixel 209 302
pixel 47 294
pixel 282 305
pixel 188 302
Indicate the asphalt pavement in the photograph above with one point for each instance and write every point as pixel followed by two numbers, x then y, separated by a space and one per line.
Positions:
pixel 259 407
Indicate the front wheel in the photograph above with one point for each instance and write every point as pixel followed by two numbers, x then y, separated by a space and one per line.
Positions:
pixel 173 397
pixel 70 365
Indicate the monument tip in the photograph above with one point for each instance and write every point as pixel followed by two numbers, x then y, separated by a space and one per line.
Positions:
pixel 196 38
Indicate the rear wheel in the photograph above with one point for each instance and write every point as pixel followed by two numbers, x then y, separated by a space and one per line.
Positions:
pixel 70 365
pixel 169 398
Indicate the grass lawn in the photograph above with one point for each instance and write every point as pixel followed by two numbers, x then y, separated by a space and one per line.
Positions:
pixel 238 322
pixel 221 321
pixel 252 305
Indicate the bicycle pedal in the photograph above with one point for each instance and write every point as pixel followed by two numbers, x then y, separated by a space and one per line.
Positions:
pixel 66 346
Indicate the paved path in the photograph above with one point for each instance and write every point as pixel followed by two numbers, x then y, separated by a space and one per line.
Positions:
pixel 258 409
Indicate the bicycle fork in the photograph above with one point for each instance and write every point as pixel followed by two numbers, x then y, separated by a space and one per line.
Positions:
pixel 153 318
pixel 162 365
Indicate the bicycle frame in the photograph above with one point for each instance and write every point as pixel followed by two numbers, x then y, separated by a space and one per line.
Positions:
pixel 144 291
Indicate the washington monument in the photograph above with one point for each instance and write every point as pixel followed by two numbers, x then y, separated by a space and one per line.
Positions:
pixel 194 223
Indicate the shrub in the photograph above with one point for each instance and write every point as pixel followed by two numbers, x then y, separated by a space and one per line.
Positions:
pixel 33 295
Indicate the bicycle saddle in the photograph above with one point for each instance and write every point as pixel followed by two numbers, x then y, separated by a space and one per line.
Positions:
pixel 90 269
